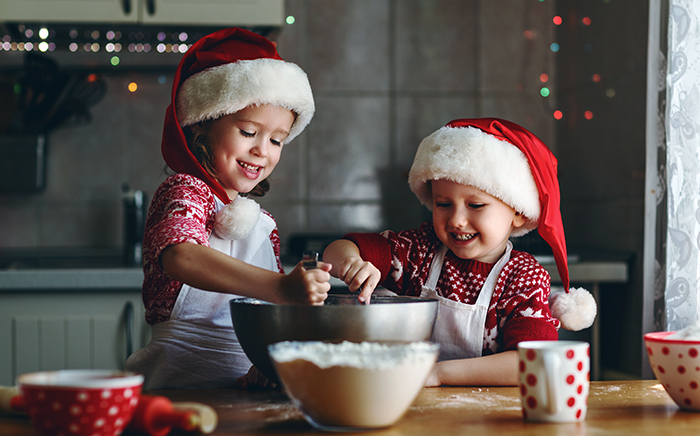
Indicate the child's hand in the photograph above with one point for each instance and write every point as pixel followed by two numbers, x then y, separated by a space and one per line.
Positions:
pixel 302 286
pixel 255 380
pixel 359 275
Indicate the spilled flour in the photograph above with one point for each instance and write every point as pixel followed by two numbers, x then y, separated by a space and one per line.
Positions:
pixel 269 412
pixel 478 398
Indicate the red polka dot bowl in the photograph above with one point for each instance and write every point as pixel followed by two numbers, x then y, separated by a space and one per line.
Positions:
pixel 80 402
pixel 676 364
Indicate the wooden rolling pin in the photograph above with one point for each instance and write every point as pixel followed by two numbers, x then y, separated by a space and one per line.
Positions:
pixel 11 400
pixel 155 415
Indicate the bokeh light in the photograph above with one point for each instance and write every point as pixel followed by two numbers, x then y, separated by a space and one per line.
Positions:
pixel 544 92
pixel 557 20
pixel 558 115
pixel 588 115
pixel 597 78
pixel 290 19
pixel 554 47
pixel 133 86
pixel 544 78
pixel 586 21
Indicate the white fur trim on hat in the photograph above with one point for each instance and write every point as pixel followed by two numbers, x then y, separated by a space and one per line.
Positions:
pixel 237 219
pixel 470 156
pixel 576 309
pixel 228 88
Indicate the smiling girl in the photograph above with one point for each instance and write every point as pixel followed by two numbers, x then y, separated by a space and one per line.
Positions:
pixel 235 105
pixel 485 180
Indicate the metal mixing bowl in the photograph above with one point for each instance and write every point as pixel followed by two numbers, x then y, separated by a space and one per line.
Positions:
pixel 342 318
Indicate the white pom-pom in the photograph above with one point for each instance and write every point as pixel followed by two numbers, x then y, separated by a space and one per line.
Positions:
pixel 576 309
pixel 237 219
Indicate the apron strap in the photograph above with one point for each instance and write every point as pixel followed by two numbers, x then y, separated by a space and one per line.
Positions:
pixel 484 298
pixel 436 267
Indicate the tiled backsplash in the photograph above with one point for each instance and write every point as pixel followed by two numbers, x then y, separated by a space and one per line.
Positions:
pixel 385 74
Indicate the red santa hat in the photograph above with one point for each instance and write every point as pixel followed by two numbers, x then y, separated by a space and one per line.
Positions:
pixel 221 74
pixel 479 152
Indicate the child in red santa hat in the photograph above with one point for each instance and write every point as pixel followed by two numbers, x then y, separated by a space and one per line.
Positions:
pixel 235 105
pixel 485 180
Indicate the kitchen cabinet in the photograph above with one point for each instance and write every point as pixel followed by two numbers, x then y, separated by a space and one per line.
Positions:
pixel 49 329
pixel 164 12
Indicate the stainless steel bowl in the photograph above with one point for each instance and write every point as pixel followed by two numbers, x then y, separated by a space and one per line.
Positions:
pixel 342 318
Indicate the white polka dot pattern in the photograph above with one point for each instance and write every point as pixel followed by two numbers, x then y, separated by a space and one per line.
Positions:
pixel 61 411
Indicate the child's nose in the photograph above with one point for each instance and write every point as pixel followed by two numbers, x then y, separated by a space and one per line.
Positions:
pixel 458 219
pixel 260 148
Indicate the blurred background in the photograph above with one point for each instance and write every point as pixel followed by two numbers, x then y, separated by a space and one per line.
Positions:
pixel 385 74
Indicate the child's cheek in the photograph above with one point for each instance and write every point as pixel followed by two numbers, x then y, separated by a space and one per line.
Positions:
pixel 440 231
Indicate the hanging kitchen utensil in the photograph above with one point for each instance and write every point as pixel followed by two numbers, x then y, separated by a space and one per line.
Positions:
pixel 72 109
pixel 41 85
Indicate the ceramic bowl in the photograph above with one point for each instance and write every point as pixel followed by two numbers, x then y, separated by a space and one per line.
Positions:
pixel 80 402
pixel 676 364
pixel 353 386
pixel 259 324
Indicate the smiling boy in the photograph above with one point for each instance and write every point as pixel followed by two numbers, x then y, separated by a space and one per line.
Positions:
pixel 485 180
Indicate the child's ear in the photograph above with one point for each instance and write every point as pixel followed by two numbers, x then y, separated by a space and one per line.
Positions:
pixel 519 220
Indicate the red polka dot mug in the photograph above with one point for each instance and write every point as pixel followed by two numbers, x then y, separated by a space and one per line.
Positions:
pixel 80 402
pixel 554 379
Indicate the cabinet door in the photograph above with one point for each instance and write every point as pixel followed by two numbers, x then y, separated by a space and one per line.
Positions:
pixel 214 12
pixel 72 11
pixel 50 331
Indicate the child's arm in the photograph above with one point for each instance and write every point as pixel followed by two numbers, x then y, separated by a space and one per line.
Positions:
pixel 499 369
pixel 348 265
pixel 205 268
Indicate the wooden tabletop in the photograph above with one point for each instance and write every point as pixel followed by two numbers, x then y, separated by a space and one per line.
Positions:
pixel 614 408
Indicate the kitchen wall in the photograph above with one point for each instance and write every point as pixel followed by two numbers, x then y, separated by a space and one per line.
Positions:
pixel 385 74
pixel 602 69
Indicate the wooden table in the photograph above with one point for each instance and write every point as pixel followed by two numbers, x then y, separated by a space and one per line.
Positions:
pixel 615 408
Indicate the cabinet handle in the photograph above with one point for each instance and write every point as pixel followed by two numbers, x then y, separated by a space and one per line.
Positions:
pixel 126 6
pixel 151 7
pixel 129 326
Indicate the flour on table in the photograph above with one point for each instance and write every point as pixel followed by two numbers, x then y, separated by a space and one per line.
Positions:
pixel 482 400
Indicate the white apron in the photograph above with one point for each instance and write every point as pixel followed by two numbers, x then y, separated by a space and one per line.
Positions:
pixel 459 328
pixel 197 347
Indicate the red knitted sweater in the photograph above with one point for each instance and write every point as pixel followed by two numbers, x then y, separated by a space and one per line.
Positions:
pixel 519 309
pixel 182 210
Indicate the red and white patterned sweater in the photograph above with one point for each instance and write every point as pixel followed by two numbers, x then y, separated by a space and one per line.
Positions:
pixel 519 309
pixel 182 210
